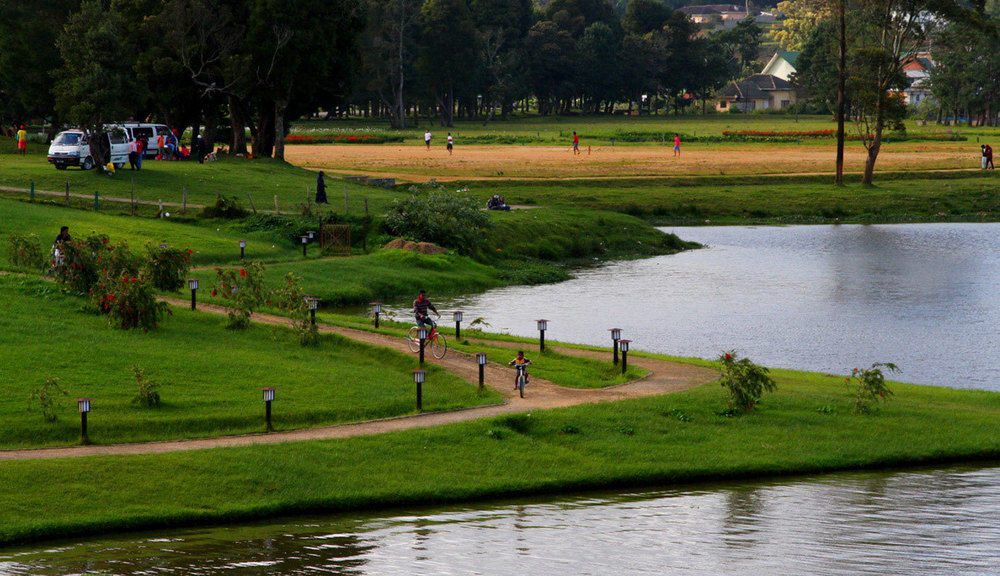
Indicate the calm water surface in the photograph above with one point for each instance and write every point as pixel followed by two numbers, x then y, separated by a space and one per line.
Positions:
pixel 822 298
pixel 923 522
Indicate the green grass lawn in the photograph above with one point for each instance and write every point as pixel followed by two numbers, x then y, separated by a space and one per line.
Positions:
pixel 210 377
pixel 803 427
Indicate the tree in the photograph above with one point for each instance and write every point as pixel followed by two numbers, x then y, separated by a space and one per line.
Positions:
pixel 550 70
pixel 743 42
pixel 645 16
pixel 815 77
pixel 802 17
pixel 389 52
pixel 575 16
pixel 447 51
pixel 598 73
pixel 96 83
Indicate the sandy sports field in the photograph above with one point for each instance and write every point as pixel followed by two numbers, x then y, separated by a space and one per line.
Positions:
pixel 415 163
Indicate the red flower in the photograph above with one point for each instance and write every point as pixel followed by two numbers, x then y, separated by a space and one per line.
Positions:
pixel 243 272
pixel 729 356
pixel 214 293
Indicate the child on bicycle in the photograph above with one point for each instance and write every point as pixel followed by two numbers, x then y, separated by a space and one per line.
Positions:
pixel 520 361
pixel 420 307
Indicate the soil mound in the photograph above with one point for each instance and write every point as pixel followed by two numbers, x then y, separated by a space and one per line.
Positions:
pixel 418 247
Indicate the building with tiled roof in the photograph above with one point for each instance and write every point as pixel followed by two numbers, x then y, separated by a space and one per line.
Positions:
pixel 758 92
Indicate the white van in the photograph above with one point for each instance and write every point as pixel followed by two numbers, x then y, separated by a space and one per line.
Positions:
pixel 151 132
pixel 72 148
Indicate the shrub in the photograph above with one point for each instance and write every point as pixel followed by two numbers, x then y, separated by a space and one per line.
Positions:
pixel 292 298
pixel 129 301
pixel 868 386
pixel 167 267
pixel 79 263
pixel 745 381
pixel 25 250
pixel 225 208
pixel 243 291
pixel 45 398
pixel 147 395
pixel 449 220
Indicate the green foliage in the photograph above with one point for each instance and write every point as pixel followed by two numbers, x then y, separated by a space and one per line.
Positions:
pixel 224 208
pixel 167 267
pixel 451 220
pixel 291 298
pixel 25 250
pixel 745 381
pixel 868 386
pixel 129 301
pixel 243 291
pixel 44 398
pixel 79 262
pixel 147 394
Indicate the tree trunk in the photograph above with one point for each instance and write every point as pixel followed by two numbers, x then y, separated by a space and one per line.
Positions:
pixel 279 129
pixel 841 89
pixel 238 143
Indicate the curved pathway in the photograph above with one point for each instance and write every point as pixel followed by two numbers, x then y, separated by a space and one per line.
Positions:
pixel 664 377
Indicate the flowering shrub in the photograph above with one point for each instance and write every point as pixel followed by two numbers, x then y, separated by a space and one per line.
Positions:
pixel 343 139
pixel 167 267
pixel 128 301
pixel 148 395
pixel 79 263
pixel 25 250
pixel 745 381
pixel 868 386
pixel 243 291
pixel 292 298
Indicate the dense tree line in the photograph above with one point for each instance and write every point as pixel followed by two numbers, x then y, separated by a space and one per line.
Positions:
pixel 226 68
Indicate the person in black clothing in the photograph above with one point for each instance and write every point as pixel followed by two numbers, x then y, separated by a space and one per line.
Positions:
pixel 420 307
pixel 63 235
pixel 199 149
pixel 321 189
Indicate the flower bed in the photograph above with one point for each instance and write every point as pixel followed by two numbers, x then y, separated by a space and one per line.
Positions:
pixel 343 139
pixel 795 136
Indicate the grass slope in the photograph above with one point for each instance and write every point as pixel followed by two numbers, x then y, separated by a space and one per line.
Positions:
pixel 803 427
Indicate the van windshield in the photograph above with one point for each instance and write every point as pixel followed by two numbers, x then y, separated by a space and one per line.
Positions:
pixel 68 139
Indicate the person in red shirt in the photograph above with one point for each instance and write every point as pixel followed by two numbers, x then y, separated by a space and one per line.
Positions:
pixel 989 157
pixel 576 143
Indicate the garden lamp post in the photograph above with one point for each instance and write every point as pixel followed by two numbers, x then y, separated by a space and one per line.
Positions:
pixel 458 325
pixel 305 243
pixel 623 344
pixel 418 377
pixel 193 285
pixel 422 335
pixel 481 360
pixel 313 304
pixel 616 335
pixel 268 398
pixel 543 325
pixel 377 311
pixel 83 404
pixel 311 234
pixel 243 248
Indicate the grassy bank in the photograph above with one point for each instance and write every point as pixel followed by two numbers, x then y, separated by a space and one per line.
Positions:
pixel 804 427
pixel 209 377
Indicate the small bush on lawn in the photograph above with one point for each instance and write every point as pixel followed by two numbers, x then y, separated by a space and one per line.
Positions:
pixel 167 267
pixel 449 220
pixel 44 397
pixel 868 386
pixel 128 301
pixel 243 291
pixel 745 381
pixel 225 208
pixel 148 394
pixel 78 264
pixel 292 298
pixel 25 250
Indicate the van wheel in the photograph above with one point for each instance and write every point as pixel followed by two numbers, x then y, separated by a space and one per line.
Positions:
pixel 88 163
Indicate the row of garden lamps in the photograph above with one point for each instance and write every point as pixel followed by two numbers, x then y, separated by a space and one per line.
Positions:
pixel 306 239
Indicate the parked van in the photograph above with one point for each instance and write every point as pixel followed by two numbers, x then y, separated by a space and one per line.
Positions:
pixel 72 148
pixel 137 130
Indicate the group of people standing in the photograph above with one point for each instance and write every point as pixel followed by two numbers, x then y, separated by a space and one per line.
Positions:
pixel 450 143
pixel 987 161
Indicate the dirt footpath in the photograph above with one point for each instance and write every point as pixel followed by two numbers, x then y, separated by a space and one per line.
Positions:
pixel 415 163
pixel 664 377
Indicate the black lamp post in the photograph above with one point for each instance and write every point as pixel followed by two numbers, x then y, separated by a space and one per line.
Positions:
pixel 243 247
pixel 422 335
pixel 543 325
pixel 83 404
pixel 193 285
pixel 481 360
pixel 623 344
pixel 313 304
pixel 616 335
pixel 376 310
pixel 305 243
pixel 311 234
pixel 268 398
pixel 458 325
pixel 418 377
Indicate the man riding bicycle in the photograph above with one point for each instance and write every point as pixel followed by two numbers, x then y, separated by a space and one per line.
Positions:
pixel 420 307
pixel 520 361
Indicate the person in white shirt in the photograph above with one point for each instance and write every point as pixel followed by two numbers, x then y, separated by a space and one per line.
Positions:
pixel 451 143
pixel 427 139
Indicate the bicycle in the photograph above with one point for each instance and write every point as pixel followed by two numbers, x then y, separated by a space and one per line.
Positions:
pixel 522 377
pixel 435 340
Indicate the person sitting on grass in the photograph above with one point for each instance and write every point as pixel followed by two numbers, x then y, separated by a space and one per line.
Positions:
pixel 520 361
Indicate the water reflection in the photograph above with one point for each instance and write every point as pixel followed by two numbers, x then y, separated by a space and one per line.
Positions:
pixel 824 298
pixel 924 522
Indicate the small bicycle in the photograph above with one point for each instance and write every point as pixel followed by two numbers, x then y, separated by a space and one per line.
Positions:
pixel 436 341
pixel 522 377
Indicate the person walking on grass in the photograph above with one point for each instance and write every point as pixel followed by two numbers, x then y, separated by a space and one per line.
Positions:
pixel 989 157
pixel 982 159
pixel 451 144
pixel 427 139
pixel 22 141
pixel 576 143
pixel 321 189
pixel 677 145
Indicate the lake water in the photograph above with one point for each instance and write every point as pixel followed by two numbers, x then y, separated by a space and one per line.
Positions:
pixel 925 522
pixel 820 298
